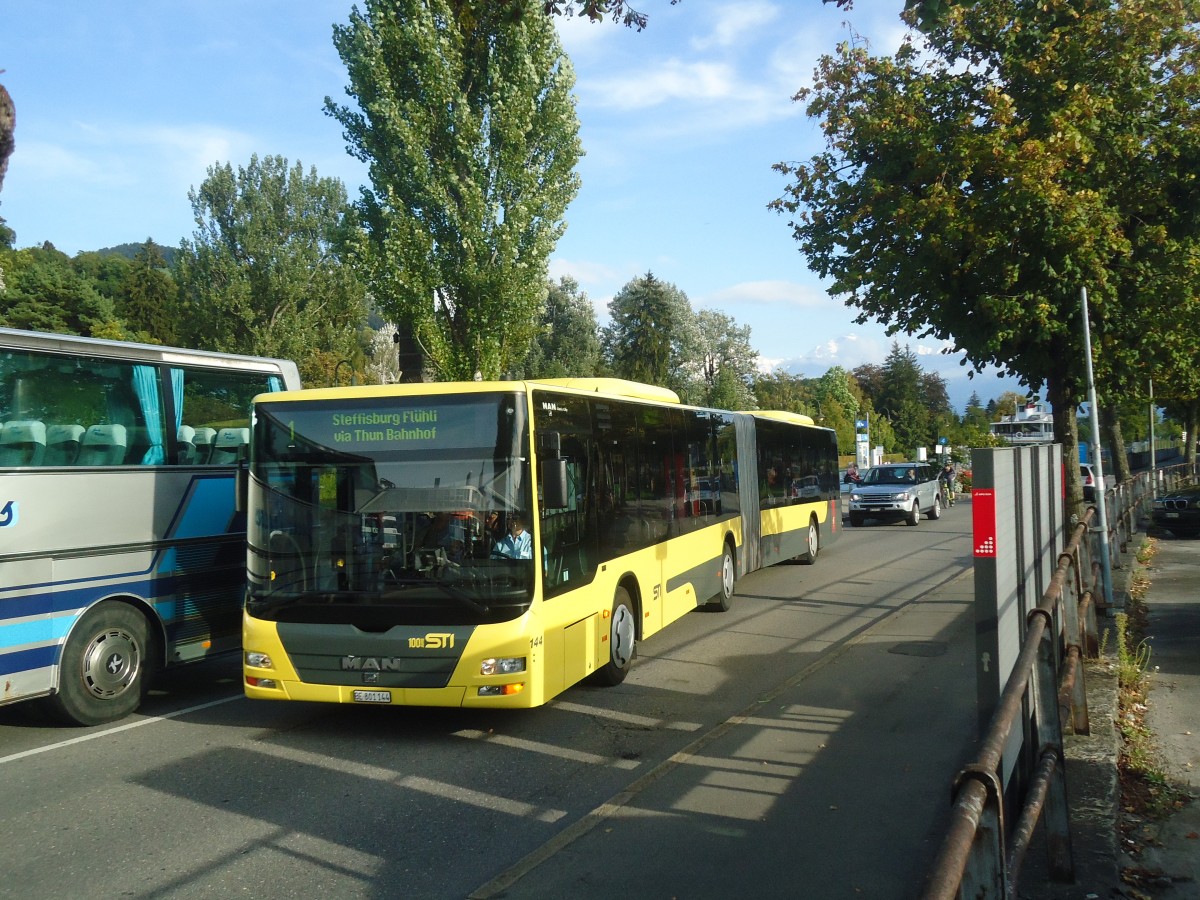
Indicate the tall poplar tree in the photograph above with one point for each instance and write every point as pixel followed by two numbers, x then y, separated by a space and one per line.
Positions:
pixel 466 119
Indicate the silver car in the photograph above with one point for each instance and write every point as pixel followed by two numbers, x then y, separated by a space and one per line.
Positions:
pixel 896 491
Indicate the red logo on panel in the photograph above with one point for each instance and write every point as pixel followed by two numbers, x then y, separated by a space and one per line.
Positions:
pixel 983 512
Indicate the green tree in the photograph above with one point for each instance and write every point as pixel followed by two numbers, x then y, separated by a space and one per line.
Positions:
pixel 651 333
pixel 726 360
pixel 107 271
pixel 870 379
pixel 44 292
pixel 1007 404
pixel 970 188
pixel 903 400
pixel 466 119
pixel 838 406
pixel 148 297
pixel 783 391
pixel 568 342
pixel 264 271
pixel 975 414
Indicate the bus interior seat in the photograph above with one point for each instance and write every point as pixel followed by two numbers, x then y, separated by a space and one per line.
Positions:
pixel 62 444
pixel 185 439
pixel 22 443
pixel 231 444
pixel 103 445
pixel 203 441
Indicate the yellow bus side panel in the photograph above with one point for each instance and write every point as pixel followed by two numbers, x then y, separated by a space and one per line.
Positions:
pixel 580 645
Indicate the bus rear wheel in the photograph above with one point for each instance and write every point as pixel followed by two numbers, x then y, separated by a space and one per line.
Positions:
pixel 812 544
pixel 724 598
pixel 103 675
pixel 622 640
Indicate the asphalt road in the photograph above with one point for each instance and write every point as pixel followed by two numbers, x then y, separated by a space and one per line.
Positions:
pixel 801 745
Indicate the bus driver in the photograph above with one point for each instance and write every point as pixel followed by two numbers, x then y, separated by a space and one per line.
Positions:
pixel 517 544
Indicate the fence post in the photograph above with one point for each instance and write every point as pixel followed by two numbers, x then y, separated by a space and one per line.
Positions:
pixel 985 876
pixel 1056 817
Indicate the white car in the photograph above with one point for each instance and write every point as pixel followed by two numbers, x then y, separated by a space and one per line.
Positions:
pixel 896 491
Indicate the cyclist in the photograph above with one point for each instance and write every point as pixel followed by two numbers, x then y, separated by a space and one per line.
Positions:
pixel 946 480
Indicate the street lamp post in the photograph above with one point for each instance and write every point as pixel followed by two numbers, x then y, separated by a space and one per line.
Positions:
pixel 1105 557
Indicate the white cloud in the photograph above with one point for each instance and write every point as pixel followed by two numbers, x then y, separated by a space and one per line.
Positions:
pixel 583 271
pixel 733 21
pixel 769 293
pixel 671 81
pixel 39 159
pixel 122 154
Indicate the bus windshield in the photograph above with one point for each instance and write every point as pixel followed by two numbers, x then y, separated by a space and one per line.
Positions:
pixel 391 510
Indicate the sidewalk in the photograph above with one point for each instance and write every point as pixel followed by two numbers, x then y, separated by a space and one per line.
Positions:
pixel 1159 859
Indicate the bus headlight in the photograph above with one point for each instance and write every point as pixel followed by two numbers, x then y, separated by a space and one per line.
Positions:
pixel 256 660
pixel 505 665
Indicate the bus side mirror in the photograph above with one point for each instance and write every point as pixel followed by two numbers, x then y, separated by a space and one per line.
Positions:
pixel 549 444
pixel 554 484
pixel 241 486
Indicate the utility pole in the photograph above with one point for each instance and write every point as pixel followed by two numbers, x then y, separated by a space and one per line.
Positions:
pixel 1094 409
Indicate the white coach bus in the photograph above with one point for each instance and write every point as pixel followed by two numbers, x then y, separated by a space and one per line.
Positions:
pixel 120 549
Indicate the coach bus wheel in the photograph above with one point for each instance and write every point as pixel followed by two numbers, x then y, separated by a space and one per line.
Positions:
pixel 722 601
pixel 812 544
pixel 622 640
pixel 103 675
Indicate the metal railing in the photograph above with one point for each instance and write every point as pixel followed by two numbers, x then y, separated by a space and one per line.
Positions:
pixel 981 856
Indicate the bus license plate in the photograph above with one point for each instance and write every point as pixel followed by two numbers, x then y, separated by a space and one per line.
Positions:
pixel 372 696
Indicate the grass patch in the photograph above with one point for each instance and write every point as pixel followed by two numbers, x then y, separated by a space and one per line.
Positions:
pixel 1146 793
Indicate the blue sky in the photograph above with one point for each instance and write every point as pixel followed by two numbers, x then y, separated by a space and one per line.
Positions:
pixel 123 105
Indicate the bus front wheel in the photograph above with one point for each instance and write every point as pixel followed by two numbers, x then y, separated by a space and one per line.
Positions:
pixel 105 661
pixel 622 640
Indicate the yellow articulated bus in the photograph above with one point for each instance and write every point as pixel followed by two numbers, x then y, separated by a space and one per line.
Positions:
pixel 492 544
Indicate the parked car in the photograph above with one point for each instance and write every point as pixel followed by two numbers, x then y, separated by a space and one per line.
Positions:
pixel 1087 474
pixel 896 491
pixel 1179 511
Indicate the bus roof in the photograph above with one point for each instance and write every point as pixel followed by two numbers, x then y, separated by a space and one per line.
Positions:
pixel 13 338
pixel 611 386
pixel 782 415
pixel 618 386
